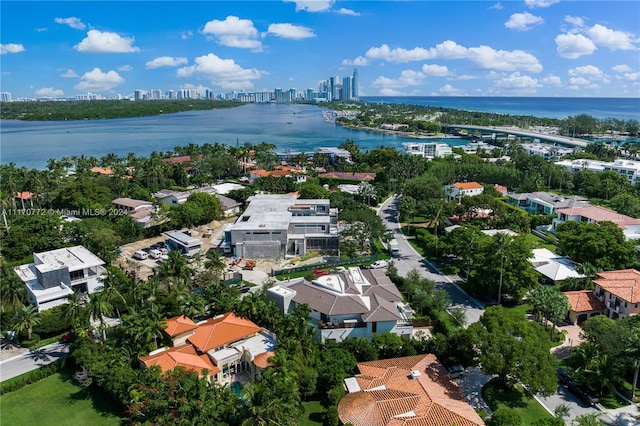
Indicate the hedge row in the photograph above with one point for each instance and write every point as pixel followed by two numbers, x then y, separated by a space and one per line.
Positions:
pixel 32 376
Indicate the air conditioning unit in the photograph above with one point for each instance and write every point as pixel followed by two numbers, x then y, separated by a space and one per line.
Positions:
pixel 415 374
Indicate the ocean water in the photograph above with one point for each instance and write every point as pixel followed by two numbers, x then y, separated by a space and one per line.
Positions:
pixel 560 108
pixel 289 127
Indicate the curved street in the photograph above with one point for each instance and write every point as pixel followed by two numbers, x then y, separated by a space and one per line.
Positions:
pixel 410 259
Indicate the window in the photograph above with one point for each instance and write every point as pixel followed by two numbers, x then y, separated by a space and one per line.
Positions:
pixel 76 275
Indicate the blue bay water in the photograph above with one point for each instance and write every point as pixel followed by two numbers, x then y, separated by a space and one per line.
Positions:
pixel 289 127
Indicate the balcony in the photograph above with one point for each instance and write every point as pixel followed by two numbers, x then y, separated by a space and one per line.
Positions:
pixel 323 325
pixel 615 307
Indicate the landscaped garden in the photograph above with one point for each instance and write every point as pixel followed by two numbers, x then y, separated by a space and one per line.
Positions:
pixel 498 395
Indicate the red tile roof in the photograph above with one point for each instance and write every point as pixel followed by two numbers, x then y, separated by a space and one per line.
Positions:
pixel 263 360
pixel 624 284
pixel 178 160
pixel 184 356
pixel 24 195
pixel 601 214
pixel 102 170
pixel 584 301
pixel 222 330
pixel 389 396
pixel 468 185
pixel 179 325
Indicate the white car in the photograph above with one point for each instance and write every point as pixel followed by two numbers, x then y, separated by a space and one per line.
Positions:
pixel 379 264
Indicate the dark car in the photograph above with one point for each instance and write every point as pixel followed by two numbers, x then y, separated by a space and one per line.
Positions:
pixel 563 376
pixel 583 392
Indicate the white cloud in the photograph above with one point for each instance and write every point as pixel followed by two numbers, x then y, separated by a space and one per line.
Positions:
pixel 574 20
pixel 42 29
pixel 185 35
pixel 11 48
pixel 49 92
pixel 632 76
pixel 572 46
pixel 523 21
pixel 69 73
pixel 449 90
pixel 391 92
pixel 221 72
pixel 621 68
pixel 612 39
pixel 165 61
pixel 97 80
pixel 359 61
pixel 579 81
pixel 497 6
pixel 539 3
pixel 233 32
pixel 343 11
pixel 552 80
pixel 73 22
pixel 483 56
pixel 295 32
pixel 312 5
pixel 435 70
pixel 590 71
pixel 489 58
pixel 125 68
pixel 517 83
pixel 106 42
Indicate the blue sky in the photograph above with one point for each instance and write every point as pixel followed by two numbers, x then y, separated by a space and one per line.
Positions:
pixel 412 48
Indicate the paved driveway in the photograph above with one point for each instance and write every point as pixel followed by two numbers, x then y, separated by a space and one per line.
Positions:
pixel 471 383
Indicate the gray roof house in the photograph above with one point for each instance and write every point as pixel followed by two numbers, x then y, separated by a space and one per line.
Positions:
pixel 276 226
pixel 351 304
pixel 544 202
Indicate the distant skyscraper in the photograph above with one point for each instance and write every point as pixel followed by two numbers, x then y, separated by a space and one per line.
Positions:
pixel 5 96
pixel 355 85
pixel 347 85
pixel 139 95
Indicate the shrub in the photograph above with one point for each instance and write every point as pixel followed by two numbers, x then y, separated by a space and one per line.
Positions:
pixel 52 322
pixel 505 416
pixel 33 376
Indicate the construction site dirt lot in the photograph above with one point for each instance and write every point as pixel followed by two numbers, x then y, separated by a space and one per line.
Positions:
pixel 210 235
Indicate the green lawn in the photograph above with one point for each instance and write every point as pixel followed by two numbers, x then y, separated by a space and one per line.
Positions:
pixel 313 413
pixel 57 401
pixel 538 242
pixel 528 408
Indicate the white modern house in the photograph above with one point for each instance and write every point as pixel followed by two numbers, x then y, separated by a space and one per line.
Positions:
pixel 56 274
pixel 427 149
pixel 627 168
pixel 350 304
pixel 546 151
pixel 280 225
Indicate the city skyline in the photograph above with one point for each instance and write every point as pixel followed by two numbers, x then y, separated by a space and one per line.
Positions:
pixel 449 48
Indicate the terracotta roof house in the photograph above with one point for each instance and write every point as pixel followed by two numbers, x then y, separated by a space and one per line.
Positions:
pixel 594 214
pixel 619 291
pixel 350 304
pixel 462 189
pixel 412 391
pixel 229 348
pixel 140 210
pixel 583 305
pixel 25 196
pixel 178 160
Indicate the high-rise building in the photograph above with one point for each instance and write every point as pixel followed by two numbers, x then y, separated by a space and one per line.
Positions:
pixel 355 85
pixel 5 96
pixel 139 95
pixel 347 85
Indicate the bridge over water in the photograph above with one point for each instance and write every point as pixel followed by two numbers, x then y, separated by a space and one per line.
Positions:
pixel 516 131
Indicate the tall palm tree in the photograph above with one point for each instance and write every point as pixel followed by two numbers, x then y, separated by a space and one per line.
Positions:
pixel 111 293
pixel 14 295
pixel 99 307
pixel 75 312
pixel 501 244
pixel 26 318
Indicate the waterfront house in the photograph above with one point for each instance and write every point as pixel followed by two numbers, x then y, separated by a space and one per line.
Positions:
pixel 224 349
pixel 428 150
pixel 56 274
pixel 350 304
pixel 279 225
pixel 626 168
pixel 412 390
pixel 619 291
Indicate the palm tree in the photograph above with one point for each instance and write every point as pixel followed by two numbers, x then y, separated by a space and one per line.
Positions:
pixel 175 269
pixel 111 293
pixel 501 244
pixel 12 289
pixel 75 312
pixel 26 318
pixel 99 307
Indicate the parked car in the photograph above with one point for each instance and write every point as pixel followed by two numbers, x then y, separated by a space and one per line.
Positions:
pixel 140 255
pixel 582 391
pixel 379 264
pixel 455 371
pixel 155 254
pixel 563 376
pixel 320 272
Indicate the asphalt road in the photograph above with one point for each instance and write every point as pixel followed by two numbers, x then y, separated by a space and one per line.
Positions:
pixel 410 259
pixel 33 359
